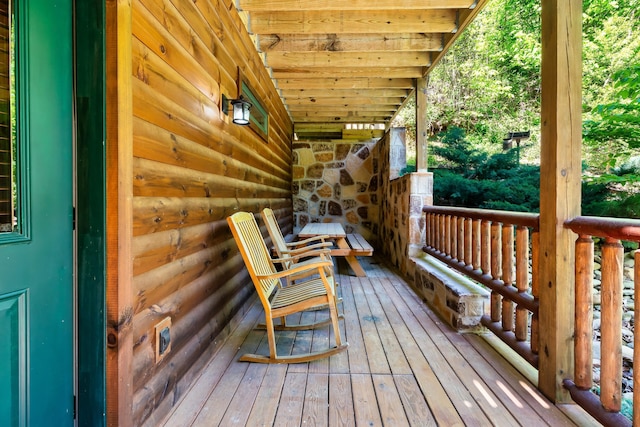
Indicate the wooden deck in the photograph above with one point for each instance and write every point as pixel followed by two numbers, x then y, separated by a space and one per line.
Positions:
pixel 403 367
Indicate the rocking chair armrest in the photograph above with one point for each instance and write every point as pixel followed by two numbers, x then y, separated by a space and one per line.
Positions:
pixel 295 258
pixel 308 248
pixel 297 268
pixel 325 254
pixel 308 240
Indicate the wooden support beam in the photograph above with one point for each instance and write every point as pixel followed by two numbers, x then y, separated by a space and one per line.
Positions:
pixel 421 124
pixel 560 175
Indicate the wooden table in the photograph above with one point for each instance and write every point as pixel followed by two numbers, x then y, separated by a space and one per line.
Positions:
pixel 336 232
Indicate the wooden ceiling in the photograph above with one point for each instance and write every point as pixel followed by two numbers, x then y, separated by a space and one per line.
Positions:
pixel 339 62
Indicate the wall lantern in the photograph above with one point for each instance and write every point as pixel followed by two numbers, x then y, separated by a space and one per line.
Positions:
pixel 241 109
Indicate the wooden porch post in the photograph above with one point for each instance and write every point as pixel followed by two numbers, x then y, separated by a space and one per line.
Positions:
pixel 119 215
pixel 421 123
pixel 560 174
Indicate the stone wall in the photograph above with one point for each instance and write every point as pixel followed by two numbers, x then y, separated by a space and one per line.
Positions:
pixel 337 182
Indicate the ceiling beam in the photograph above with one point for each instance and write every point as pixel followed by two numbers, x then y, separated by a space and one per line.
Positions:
pixel 349 42
pixel 357 22
pixel 344 93
pixel 284 60
pixel 347 73
pixel 342 112
pixel 284 5
pixel 326 114
pixel 343 120
pixel 344 102
pixel 344 83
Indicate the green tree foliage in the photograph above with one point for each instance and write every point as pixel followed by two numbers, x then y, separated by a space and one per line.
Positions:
pixel 470 177
pixel 488 84
pixel 474 178
pixel 617 123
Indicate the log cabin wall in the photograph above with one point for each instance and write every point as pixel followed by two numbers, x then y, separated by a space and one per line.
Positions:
pixel 191 169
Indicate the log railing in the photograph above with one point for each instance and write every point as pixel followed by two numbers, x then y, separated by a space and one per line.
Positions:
pixel 500 250
pixel 612 231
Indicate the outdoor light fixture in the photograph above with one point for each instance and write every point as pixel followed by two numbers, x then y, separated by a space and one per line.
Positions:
pixel 240 109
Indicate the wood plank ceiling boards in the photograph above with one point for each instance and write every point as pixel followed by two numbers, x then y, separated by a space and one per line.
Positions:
pixel 337 63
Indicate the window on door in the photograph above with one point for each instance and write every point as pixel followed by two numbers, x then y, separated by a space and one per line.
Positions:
pixel 8 147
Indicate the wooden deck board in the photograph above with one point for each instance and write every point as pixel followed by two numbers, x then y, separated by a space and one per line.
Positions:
pixel 341 412
pixel 316 400
pixel 404 366
pixel 393 349
pixel 373 345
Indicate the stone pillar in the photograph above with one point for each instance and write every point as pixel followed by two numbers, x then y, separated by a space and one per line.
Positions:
pixel 420 194
pixel 397 151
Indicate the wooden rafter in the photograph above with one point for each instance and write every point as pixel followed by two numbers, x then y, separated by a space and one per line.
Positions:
pixel 285 5
pixel 350 42
pixel 342 62
pixel 362 21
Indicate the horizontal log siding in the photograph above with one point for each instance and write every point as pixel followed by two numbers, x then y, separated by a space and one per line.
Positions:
pixel 191 169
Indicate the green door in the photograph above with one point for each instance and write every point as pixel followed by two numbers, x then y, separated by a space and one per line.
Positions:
pixel 36 213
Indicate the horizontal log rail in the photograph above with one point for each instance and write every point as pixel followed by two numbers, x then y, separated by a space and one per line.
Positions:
pixel 612 230
pixel 498 249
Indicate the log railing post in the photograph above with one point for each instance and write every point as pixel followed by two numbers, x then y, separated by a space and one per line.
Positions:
pixel 447 235
pixel 461 239
pixel 452 249
pixel 611 335
pixel 485 249
pixel 584 312
pixel 477 244
pixel 507 275
pixel 522 280
pixel 468 242
pixel 443 235
pixel 496 269
pixel 535 290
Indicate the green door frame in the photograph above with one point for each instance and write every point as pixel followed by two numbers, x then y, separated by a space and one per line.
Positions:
pixel 90 81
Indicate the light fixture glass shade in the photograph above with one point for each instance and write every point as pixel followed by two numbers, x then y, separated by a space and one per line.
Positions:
pixel 240 111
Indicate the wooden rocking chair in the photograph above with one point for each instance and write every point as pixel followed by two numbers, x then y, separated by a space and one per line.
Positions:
pixel 292 252
pixel 279 301
pixel 298 251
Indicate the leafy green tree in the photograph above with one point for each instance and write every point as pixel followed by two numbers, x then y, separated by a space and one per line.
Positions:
pixel 617 122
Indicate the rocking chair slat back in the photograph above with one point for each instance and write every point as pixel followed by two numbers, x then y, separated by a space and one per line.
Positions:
pixel 254 252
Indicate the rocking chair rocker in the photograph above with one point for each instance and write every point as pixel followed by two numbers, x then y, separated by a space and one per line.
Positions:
pixel 279 301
